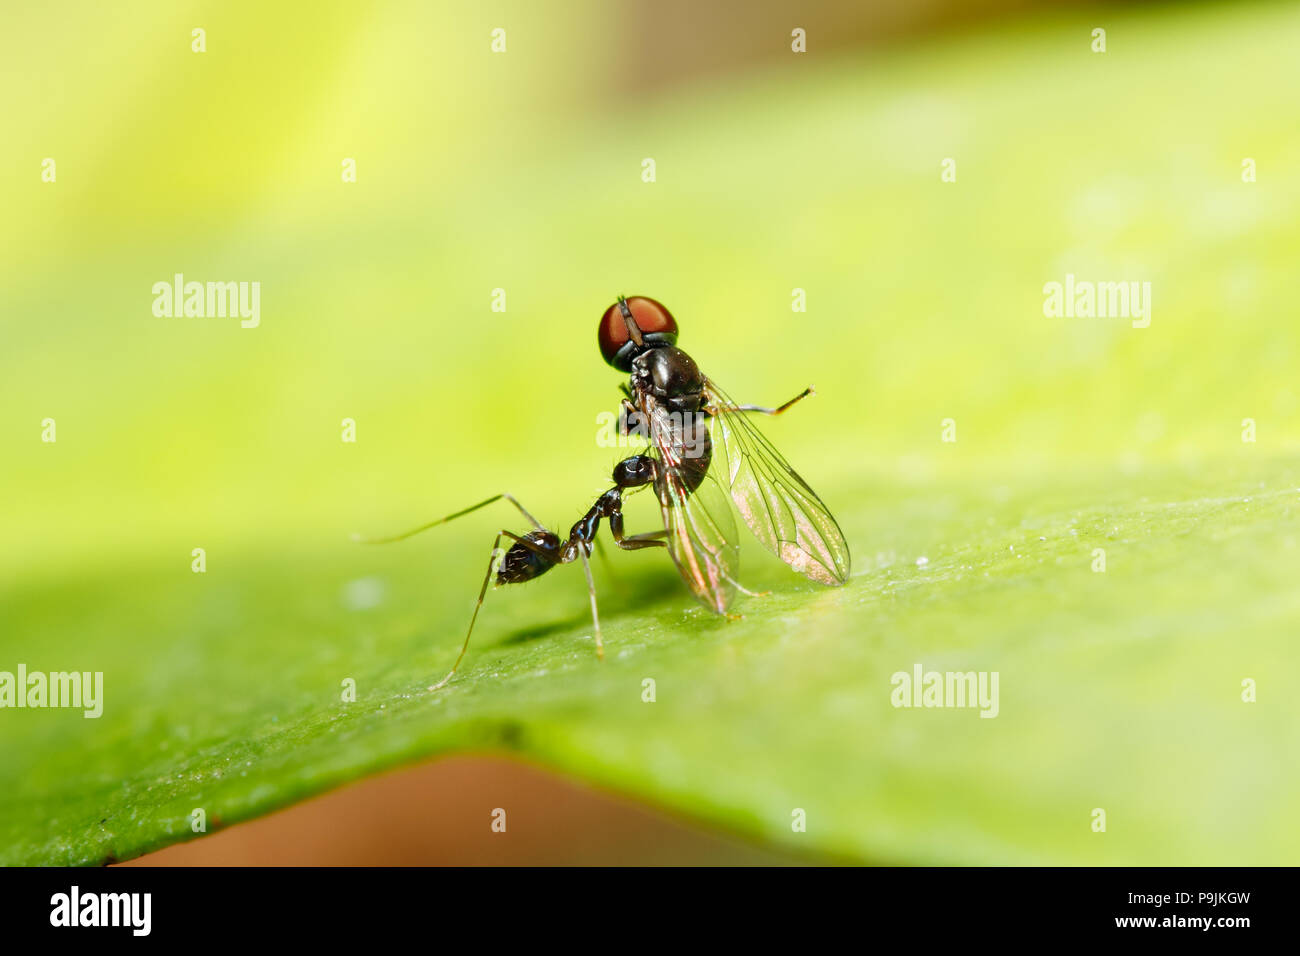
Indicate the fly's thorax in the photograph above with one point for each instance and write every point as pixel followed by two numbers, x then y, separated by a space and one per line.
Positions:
pixel 670 376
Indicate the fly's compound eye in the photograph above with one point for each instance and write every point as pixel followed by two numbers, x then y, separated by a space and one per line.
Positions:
pixel 657 326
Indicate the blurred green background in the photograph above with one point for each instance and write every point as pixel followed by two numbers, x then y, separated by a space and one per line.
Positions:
pixel 522 171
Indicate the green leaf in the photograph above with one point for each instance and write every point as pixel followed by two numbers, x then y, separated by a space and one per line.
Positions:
pixel 1118 690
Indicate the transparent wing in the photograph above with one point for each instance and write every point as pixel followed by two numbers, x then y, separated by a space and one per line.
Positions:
pixel 701 531
pixel 781 509
pixel 701 539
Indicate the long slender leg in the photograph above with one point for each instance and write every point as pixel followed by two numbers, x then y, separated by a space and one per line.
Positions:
pixel 655 539
pixel 482 593
pixel 650 539
pixel 634 542
pixel 591 590
pixel 780 408
pixel 459 514
pixel 745 590
pixel 487 578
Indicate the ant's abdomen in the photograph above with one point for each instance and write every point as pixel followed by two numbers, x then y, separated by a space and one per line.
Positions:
pixel 523 563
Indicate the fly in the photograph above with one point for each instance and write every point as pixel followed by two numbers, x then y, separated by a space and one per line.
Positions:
pixel 703 449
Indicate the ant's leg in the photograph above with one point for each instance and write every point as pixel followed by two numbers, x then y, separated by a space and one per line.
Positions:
pixel 581 539
pixel 591 590
pixel 634 542
pixel 773 411
pixel 630 473
pixel 482 593
pixel 459 514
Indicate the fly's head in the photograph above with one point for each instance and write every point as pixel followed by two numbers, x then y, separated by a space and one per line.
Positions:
pixel 633 326
pixel 638 335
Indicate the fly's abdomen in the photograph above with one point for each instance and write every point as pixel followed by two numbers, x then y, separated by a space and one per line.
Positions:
pixel 692 447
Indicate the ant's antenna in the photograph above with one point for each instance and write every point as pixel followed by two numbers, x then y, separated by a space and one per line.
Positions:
pixel 633 330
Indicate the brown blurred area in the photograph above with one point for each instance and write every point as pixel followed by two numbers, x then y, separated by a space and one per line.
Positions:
pixel 672 42
pixel 441 813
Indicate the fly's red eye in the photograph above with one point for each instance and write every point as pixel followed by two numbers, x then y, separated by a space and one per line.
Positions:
pixel 657 325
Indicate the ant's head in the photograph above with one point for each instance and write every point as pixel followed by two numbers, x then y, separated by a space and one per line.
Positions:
pixel 632 326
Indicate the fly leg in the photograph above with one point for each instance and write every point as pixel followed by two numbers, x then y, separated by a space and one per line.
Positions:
pixel 744 590
pixel 632 421
pixel 773 411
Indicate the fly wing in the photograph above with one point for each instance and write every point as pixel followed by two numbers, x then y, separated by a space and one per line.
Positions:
pixel 701 540
pixel 697 516
pixel 781 509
